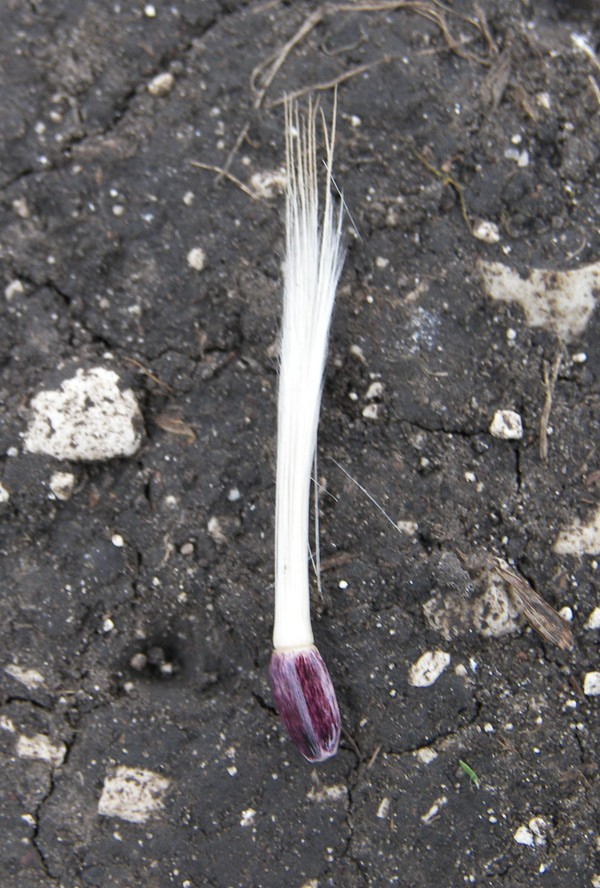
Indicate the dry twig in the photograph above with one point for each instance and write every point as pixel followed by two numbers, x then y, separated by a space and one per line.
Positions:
pixel 277 60
pixel 432 10
pixel 330 84
pixel 224 174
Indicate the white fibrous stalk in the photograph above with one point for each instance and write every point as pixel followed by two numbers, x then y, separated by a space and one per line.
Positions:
pixel 312 268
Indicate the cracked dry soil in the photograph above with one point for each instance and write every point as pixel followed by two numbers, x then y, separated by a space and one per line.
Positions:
pixel 136 609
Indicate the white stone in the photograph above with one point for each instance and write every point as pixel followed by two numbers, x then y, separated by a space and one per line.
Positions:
pixel 15 288
pixel 524 836
pixel 384 808
pixel 494 613
pixel 196 258
pixel 559 301
pixel 591 684
pixel 62 485
pixel 40 747
pixel 580 539
pixel 266 184
pixel 216 531
pixel 31 678
pixel 428 668
pixel 594 619
pixel 21 208
pixel 426 755
pixel 247 818
pixel 4 494
pixel 328 793
pixel 88 418
pixel 486 231
pixel 133 794
pixel 375 390
pixel 507 424
pixel 543 99
pixel 435 809
pixel 407 526
pixel 539 827
pixel 161 85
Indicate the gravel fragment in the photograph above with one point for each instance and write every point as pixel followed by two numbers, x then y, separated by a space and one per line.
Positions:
pixel 591 684
pixel 89 418
pixel 428 668
pixel 161 85
pixel 133 794
pixel 62 485
pixel 507 424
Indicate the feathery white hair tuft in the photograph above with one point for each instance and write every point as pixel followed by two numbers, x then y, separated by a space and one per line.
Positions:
pixel 313 265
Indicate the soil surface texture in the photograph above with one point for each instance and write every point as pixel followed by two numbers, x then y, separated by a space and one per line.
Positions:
pixel 139 313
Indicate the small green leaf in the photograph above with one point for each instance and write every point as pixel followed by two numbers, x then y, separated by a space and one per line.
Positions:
pixel 470 773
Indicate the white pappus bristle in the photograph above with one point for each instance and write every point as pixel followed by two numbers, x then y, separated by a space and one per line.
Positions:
pixel 313 264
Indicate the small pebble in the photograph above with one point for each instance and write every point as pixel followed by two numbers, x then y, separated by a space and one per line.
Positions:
pixel 40 747
pixel 138 662
pixel 133 794
pixel 62 485
pixel 543 99
pixel 161 85
pixel 21 208
pixel 16 288
pixel 539 827
pixel 524 836
pixel 591 684
pixel 384 809
pixel 486 231
pixel 374 391
pixel 594 619
pixel 507 425
pixel 196 258
pixel 216 530
pixel 428 668
pixel 90 417
pixel 247 817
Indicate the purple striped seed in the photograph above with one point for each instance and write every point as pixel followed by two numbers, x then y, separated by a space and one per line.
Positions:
pixel 306 701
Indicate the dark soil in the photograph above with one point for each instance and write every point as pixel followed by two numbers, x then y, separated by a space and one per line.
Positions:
pixel 154 654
